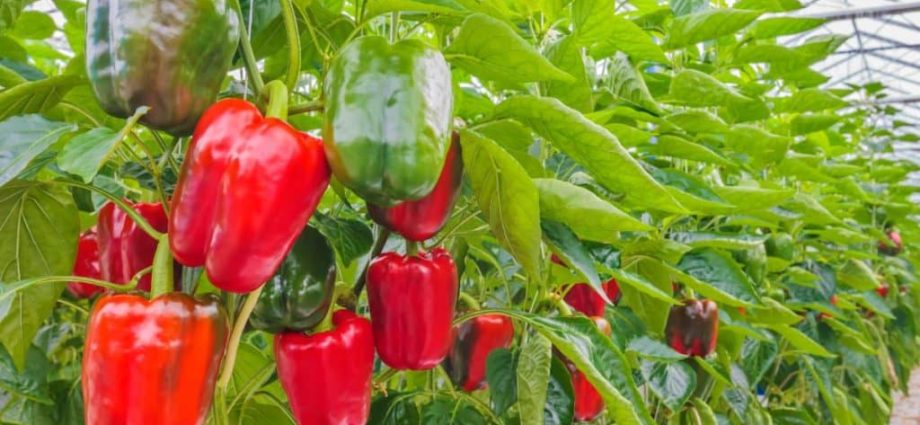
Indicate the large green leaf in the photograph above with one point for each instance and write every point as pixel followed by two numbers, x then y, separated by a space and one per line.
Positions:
pixel 24 138
pixel 569 57
pixel 560 396
pixel 377 7
pixel 597 24
pixel 799 340
pixel 35 96
pixel 10 11
pixel 38 237
pixel 567 246
pixel 811 100
pixel 507 196
pixel 673 383
pixel 678 147
pixel 708 25
pixel 626 83
pixel 533 372
pixel 783 25
pixel 501 371
pixel 717 269
pixel 85 154
pixel 490 49
pixel 589 216
pixel 696 121
pixel 695 88
pixel 591 146
pixel 758 146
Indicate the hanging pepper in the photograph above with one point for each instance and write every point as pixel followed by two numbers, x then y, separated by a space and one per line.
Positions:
pixel 693 327
pixel 412 305
pixel 584 299
pixel 588 401
pixel 125 248
pixel 387 119
pixel 152 362
pixel 882 290
pixel 247 188
pixel 327 375
pixel 170 55
pixel 893 246
pixel 297 297
pixel 474 340
pixel 86 265
pixel 422 219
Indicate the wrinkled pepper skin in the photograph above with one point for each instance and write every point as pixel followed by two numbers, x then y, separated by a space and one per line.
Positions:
pixel 585 300
pixel 247 188
pixel 412 302
pixel 327 375
pixel 693 327
pixel 422 219
pixel 474 340
pixel 152 362
pixel 125 248
pixel 297 297
pixel 388 117
pixel 170 55
pixel 893 246
pixel 86 265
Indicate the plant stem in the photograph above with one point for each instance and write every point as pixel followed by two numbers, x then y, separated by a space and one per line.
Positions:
pixel 411 248
pixel 304 108
pixel 326 323
pixel 236 336
pixel 394 26
pixel 249 58
pixel 379 242
pixel 277 100
pixel 293 39
pixel 470 301
pixel 162 279
pixel 137 218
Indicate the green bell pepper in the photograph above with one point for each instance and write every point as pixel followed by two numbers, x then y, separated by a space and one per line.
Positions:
pixel 170 55
pixel 297 297
pixel 388 118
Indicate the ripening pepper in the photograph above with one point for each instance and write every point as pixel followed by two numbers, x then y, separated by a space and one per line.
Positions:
pixel 327 375
pixel 693 327
pixel 387 119
pixel 584 299
pixel 124 247
pixel 152 362
pixel 893 245
pixel 170 55
pixel 86 265
pixel 882 290
pixel 297 297
pixel 588 401
pixel 780 245
pixel 422 219
pixel 412 302
pixel 474 340
pixel 247 188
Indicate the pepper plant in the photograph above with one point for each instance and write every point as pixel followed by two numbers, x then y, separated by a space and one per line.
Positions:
pixel 446 211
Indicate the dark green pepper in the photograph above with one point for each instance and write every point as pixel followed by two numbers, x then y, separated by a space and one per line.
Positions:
pixel 297 297
pixel 170 55
pixel 388 116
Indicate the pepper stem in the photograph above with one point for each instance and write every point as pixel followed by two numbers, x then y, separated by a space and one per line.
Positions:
pixel 411 248
pixel 326 324
pixel 277 100
pixel 379 242
pixel 162 275
pixel 233 345
pixel 469 301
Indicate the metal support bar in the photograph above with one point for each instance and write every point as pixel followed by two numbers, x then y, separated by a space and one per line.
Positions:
pixel 876 49
pixel 898 61
pixel 904 99
pixel 868 12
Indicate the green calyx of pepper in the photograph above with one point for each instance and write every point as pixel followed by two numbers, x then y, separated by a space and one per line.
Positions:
pixel 162 273
pixel 277 100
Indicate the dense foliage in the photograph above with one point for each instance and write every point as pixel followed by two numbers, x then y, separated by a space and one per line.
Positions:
pixel 675 147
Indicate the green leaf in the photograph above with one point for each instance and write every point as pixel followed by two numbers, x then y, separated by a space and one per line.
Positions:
pixel 38 237
pixel 378 7
pixel 783 25
pixel 35 96
pixel 490 49
pixel 34 25
pixel 654 349
pixel 753 197
pixel 569 57
pixel 800 341
pixel 673 382
pixel 501 367
pixel 708 25
pixel 718 240
pixel 533 372
pixel 626 83
pixel 560 396
pixel 10 11
pixel 696 122
pixel 678 147
pixel 810 100
pixel 350 238
pixel 591 146
pixel 759 146
pixel 565 244
pixel 695 88
pixel 717 269
pixel 769 5
pixel 589 216
pixel 24 138
pixel 599 27
pixel 642 285
pixel 507 197
pixel 810 123
pixel 772 312
pixel 84 154
pixel 857 275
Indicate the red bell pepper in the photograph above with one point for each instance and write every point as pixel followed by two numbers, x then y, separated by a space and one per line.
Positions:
pixel 584 299
pixel 693 327
pixel 588 401
pixel 882 290
pixel 412 302
pixel 327 375
pixel 421 219
pixel 893 246
pixel 152 362
pixel 247 188
pixel 474 340
pixel 125 248
pixel 87 265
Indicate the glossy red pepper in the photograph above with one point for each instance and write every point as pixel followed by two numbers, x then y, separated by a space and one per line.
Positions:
pixel 86 265
pixel 584 299
pixel 125 248
pixel 412 302
pixel 247 188
pixel 152 362
pixel 893 246
pixel 588 401
pixel 882 290
pixel 474 340
pixel 693 327
pixel 327 375
pixel 421 219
